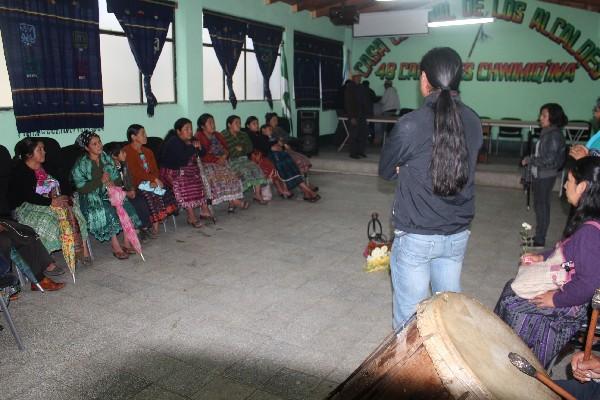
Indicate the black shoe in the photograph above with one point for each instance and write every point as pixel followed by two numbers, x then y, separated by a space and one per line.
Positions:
pixel 363 155
pixel 355 156
pixel 539 244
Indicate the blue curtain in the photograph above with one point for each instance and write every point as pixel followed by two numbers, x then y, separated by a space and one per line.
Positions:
pixel 146 25
pixel 332 66
pixel 266 41
pixel 306 71
pixel 227 36
pixel 318 70
pixel 52 51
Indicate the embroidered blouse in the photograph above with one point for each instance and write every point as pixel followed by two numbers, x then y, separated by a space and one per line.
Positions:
pixel 239 145
pixel 141 164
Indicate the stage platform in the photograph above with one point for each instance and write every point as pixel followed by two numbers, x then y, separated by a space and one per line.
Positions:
pixel 499 171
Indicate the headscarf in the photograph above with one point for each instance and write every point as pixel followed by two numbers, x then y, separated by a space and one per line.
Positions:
pixel 85 138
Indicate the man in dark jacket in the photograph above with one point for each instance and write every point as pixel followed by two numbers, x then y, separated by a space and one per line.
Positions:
pixel 356 104
pixel 27 243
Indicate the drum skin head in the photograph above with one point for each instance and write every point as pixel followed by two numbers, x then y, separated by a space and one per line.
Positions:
pixel 469 347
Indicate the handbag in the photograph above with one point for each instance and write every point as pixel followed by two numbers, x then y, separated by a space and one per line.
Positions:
pixel 375 235
pixel 551 274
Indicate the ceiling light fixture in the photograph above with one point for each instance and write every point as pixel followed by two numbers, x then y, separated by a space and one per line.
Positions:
pixel 457 22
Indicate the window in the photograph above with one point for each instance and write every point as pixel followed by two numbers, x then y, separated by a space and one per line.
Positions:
pixel 247 78
pixel 5 93
pixel 121 79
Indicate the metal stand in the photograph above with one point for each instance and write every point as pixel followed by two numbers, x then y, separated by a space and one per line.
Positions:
pixel 11 325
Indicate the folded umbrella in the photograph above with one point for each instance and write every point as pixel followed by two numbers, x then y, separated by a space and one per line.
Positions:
pixel 116 196
pixel 67 238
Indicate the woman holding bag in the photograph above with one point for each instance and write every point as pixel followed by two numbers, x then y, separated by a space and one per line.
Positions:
pixel 549 320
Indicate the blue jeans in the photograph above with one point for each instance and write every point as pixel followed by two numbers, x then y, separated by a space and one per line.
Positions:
pixel 419 262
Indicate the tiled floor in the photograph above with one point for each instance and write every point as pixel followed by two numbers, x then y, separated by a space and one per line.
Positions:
pixel 271 303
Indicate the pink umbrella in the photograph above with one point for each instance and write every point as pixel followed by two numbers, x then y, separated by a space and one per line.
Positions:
pixel 116 195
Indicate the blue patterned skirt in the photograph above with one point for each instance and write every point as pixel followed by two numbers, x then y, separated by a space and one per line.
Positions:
pixel 287 169
pixel 544 330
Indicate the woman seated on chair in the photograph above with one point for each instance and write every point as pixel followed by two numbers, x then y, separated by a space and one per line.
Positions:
pixel 145 179
pixel 25 241
pixel 286 167
pixel 36 197
pixel 116 153
pixel 92 175
pixel 179 170
pixel 260 158
pixel 239 147
pixel 225 185
pixel 281 135
pixel 547 322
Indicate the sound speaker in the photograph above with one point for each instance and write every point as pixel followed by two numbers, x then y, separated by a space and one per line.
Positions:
pixel 308 131
pixel 345 15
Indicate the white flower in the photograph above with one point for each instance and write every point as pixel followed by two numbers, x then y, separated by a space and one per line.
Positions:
pixel 526 226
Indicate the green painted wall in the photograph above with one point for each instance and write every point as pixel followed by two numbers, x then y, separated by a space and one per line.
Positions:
pixel 189 72
pixel 507 42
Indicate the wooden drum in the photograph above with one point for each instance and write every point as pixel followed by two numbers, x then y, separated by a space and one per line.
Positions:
pixel 454 348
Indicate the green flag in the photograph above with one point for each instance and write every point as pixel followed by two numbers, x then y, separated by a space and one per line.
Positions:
pixel 286 101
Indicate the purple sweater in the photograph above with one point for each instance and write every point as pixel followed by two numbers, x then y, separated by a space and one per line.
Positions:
pixel 583 248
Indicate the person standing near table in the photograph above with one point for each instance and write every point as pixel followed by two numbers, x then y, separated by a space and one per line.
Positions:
pixel 548 158
pixel 432 153
pixel 389 106
pixel 356 104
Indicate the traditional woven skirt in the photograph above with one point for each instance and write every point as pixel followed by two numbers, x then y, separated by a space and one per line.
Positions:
pixel 46 224
pixel 186 184
pixel 160 207
pixel 287 169
pixel 544 330
pixel 224 183
pixel 301 161
pixel 101 217
pixel 249 173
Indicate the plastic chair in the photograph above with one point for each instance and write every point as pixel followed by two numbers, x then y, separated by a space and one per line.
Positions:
pixel 68 157
pixel 7 281
pixel 5 170
pixel 510 132
pixel 154 143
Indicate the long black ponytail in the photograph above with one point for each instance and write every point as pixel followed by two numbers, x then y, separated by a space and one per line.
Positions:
pixel 449 166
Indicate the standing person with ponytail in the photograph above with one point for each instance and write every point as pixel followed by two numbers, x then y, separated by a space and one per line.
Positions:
pixel 432 153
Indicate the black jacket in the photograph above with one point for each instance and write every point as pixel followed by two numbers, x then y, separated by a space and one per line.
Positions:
pixel 22 187
pixel 551 153
pixel 416 208
pixel 175 153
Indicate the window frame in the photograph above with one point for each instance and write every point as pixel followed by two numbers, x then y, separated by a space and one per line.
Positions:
pixel 223 81
pixel 140 76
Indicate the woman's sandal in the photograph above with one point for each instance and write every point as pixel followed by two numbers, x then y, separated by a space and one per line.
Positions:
pixel 244 205
pixel 231 209
pixel 313 199
pixel 128 250
pixel 195 224
pixel 209 218
pixel 260 201
pixel 121 256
